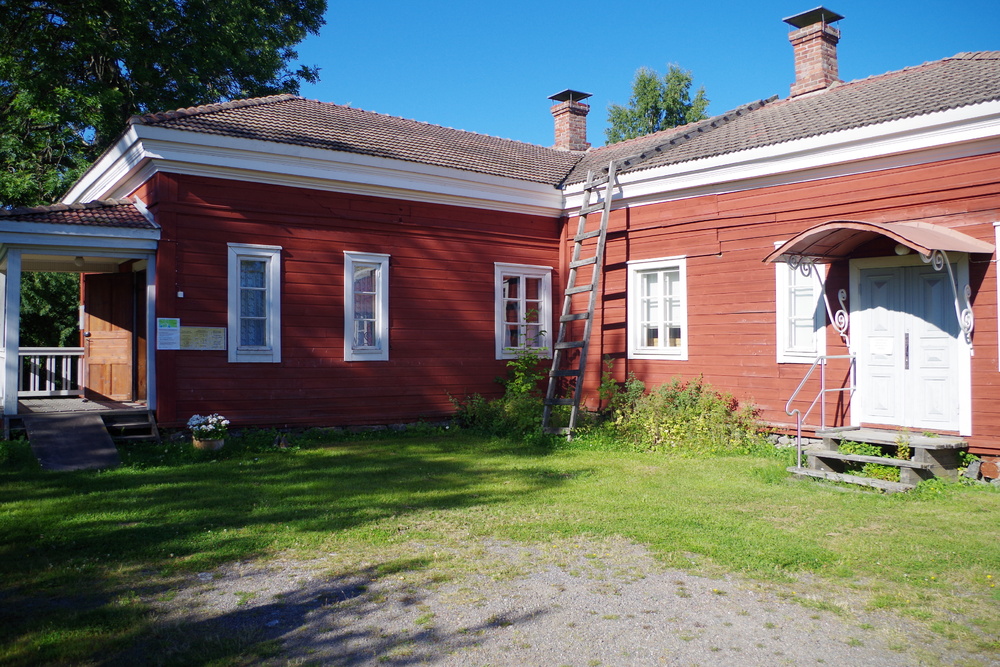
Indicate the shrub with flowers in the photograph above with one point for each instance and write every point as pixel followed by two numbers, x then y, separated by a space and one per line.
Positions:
pixel 210 427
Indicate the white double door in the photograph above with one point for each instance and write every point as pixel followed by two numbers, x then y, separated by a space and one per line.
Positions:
pixel 912 362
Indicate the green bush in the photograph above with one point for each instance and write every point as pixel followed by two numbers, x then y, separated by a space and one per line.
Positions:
pixel 686 417
pixel 873 470
pixel 518 413
pixel 16 455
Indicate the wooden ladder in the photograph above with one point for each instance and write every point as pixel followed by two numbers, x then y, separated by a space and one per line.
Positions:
pixel 565 364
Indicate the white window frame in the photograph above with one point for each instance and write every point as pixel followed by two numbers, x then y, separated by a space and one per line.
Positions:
pixel 783 276
pixel 636 269
pixel 503 349
pixel 270 352
pixel 380 350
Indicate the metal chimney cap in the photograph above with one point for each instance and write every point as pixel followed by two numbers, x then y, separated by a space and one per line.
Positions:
pixel 569 96
pixel 818 15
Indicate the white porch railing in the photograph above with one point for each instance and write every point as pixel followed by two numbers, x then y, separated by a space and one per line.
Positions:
pixel 800 417
pixel 50 371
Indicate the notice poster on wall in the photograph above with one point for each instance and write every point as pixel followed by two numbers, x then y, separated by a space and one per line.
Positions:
pixel 168 333
pixel 203 338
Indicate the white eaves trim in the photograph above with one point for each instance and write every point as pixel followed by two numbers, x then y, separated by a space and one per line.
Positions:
pixel 14 232
pixel 145 150
pixel 963 132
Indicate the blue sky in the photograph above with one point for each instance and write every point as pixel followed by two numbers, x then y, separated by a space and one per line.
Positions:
pixel 490 67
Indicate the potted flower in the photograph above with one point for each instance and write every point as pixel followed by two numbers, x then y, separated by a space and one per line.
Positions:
pixel 208 432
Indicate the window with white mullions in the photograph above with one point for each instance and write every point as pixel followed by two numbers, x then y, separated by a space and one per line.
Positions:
pixel 800 315
pixel 366 306
pixel 254 332
pixel 365 295
pixel 522 296
pixel 658 308
pixel 253 303
pixel 523 315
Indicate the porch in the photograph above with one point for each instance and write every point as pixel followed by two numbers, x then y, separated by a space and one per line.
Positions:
pixel 908 339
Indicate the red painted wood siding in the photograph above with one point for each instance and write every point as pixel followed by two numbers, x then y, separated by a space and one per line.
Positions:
pixel 441 297
pixel 731 311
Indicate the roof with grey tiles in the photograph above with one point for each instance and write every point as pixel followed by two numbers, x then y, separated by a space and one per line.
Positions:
pixel 951 83
pixel 104 213
pixel 962 80
pixel 289 119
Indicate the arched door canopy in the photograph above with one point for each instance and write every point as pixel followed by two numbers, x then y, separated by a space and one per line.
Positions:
pixel 838 239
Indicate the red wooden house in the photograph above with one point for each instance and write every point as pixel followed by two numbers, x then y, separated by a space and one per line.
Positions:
pixel 285 261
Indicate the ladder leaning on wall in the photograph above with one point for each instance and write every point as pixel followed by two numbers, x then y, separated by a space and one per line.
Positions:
pixel 569 352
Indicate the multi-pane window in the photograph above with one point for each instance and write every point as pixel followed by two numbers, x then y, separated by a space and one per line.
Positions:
pixel 366 306
pixel 254 303
pixel 799 314
pixel 523 309
pixel 658 308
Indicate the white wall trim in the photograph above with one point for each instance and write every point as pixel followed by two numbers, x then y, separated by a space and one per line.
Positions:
pixel 634 350
pixel 782 285
pixel 996 267
pixel 956 133
pixel 379 352
pixel 145 150
pixel 271 256
pixel 501 349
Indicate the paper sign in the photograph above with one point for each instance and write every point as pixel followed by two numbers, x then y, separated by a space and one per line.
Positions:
pixel 881 346
pixel 168 333
pixel 203 338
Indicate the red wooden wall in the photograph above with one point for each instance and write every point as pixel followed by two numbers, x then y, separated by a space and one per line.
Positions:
pixel 441 296
pixel 731 312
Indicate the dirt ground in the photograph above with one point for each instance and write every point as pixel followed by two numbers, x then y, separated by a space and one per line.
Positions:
pixel 578 604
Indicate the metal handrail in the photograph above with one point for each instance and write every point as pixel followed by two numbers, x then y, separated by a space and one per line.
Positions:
pixel 800 417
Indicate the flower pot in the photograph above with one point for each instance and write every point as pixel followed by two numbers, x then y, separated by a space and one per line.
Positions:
pixel 208 444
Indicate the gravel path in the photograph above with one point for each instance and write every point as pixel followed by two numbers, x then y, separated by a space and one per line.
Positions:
pixel 577 604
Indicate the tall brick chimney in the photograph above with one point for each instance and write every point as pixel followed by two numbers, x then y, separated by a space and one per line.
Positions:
pixel 571 120
pixel 815 45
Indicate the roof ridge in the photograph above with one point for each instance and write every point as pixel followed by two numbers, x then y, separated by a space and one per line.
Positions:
pixel 55 208
pixel 155 117
pixel 975 55
pixel 673 137
pixel 706 125
pixel 964 55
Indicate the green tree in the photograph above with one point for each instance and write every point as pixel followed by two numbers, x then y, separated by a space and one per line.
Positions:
pixel 73 71
pixel 49 309
pixel 656 104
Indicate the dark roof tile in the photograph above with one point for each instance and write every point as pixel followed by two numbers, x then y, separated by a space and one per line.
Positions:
pixel 951 83
pixel 104 213
pixel 962 80
pixel 294 120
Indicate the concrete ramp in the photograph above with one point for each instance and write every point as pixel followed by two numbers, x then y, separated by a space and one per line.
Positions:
pixel 73 441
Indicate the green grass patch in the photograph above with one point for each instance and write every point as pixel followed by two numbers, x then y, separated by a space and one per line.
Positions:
pixel 82 550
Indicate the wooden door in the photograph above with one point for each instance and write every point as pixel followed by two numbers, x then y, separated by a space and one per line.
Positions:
pixel 109 315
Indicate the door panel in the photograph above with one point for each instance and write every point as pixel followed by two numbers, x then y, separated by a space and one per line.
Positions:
pixel 933 330
pixel 880 354
pixel 107 344
pixel 908 348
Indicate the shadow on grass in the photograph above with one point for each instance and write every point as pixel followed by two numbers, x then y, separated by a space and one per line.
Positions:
pixel 74 541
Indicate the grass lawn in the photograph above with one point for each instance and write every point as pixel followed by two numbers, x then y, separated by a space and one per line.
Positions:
pixel 80 550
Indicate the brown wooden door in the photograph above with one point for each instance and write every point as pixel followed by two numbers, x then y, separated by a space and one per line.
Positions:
pixel 109 314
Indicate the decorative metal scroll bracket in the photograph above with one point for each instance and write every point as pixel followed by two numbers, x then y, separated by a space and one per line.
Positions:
pixel 840 320
pixel 966 320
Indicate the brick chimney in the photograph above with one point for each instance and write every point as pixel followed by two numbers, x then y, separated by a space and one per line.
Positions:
pixel 571 120
pixel 815 45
